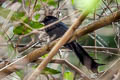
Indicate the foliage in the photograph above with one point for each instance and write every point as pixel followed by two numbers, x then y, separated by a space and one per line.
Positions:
pixel 49 70
pixel 86 4
pixel 21 29
pixel 105 37
pixel 20 73
pixel 68 76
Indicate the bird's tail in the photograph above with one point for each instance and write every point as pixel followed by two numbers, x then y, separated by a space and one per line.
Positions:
pixel 83 56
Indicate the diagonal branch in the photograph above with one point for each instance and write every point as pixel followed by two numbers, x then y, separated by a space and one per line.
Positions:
pixel 43 50
pixel 62 61
pixel 107 20
pixel 109 74
pixel 58 45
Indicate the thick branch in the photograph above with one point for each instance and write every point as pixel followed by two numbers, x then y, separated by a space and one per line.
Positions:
pixel 97 25
pixel 41 51
pixel 58 45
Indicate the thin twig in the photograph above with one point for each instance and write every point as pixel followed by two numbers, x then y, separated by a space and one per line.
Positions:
pixel 43 50
pixel 104 9
pixel 60 7
pixel 24 7
pixel 108 74
pixel 4 26
pixel 32 11
pixel 45 7
pixel 60 43
pixel 26 25
pixel 58 21
pixel 107 6
pixel 117 4
pixel 34 31
pixel 29 7
pixel 62 61
pixel 95 43
pixel 113 50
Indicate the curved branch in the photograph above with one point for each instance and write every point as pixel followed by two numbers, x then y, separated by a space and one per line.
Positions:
pixel 43 50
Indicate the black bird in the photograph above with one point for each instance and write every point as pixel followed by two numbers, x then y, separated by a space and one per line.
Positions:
pixel 58 30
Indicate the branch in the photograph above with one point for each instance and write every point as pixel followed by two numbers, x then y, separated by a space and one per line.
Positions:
pixel 43 50
pixel 62 61
pixel 107 20
pixel 58 45
pixel 32 10
pixel 109 74
pixel 14 8
pixel 24 7
pixel 47 26
pixel 113 50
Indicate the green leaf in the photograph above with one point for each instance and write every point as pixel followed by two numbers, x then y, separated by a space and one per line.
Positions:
pixel 4 12
pixel 118 1
pixel 19 0
pixel 18 15
pixel 26 20
pixel 72 1
pixel 35 25
pixel 37 16
pixel 16 0
pixel 44 0
pixel 37 7
pixel 48 70
pixel 20 30
pixel 52 3
pixel 68 76
pixel 44 56
pixel 20 73
pixel 85 4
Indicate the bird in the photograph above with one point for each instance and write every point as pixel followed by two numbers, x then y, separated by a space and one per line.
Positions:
pixel 57 30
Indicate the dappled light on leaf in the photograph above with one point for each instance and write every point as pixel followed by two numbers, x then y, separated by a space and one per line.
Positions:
pixel 21 30
pixel 68 76
pixel 85 4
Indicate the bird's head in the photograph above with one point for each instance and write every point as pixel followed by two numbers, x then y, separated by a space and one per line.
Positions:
pixel 49 19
